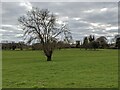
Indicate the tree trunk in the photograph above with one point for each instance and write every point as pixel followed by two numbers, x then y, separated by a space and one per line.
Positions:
pixel 48 54
pixel 48 58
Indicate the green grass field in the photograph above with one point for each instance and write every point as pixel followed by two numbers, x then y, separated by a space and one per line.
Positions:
pixel 70 68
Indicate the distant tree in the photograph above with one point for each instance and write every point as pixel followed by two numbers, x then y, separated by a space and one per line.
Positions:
pixel 21 45
pixel 13 45
pixel 60 45
pixel 94 45
pixel 85 42
pixel 91 38
pixel 6 45
pixel 90 43
pixel 102 41
pixel 117 43
pixel 37 46
pixel 41 25
pixel 77 44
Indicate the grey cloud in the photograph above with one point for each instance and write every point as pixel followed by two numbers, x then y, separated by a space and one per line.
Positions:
pixel 107 17
pixel 11 11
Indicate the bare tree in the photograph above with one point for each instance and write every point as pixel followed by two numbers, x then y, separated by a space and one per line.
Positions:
pixel 41 25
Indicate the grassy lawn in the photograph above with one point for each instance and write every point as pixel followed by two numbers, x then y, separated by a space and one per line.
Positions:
pixel 70 68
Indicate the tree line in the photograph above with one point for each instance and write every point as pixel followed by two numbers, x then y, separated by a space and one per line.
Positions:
pixel 88 43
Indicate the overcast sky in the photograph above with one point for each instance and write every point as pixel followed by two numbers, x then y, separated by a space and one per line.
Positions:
pixel 83 18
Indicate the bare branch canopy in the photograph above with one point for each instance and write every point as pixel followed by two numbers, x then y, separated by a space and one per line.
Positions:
pixel 41 25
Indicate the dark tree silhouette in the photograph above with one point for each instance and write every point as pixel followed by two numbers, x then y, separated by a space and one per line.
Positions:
pixel 41 25
pixel 94 45
pixel 13 45
pixel 77 44
pixel 117 44
pixel 91 38
pixel 102 41
pixel 85 42
pixel 90 43
pixel 21 45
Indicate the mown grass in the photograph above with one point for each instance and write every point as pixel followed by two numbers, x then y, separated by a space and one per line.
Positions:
pixel 70 68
